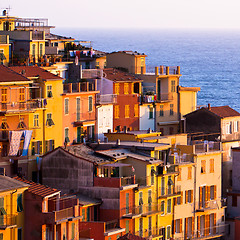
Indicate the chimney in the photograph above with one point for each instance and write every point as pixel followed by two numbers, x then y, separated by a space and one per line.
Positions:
pixel 156 70
pixel 149 130
pixel 80 71
pixel 161 69
pixel 125 129
pixel 118 142
pixel 209 106
pixel 167 70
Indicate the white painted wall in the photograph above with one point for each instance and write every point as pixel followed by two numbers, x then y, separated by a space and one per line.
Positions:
pixel 104 120
pixel 144 121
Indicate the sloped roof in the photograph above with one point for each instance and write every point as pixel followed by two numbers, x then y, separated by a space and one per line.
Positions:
pixel 38 189
pixel 34 71
pixel 119 76
pixel 7 183
pixel 224 111
pixel 8 75
pixel 130 236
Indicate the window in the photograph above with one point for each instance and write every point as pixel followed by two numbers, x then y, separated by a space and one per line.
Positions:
pixel 162 207
pixel 179 177
pixel 97 64
pixel 40 49
pixel 136 110
pixel 33 50
pixel 36 120
pixel 126 88
pixel 117 88
pixel 88 214
pixel 4 95
pixel 149 200
pixel 66 105
pixel 1 234
pixel 36 147
pixel 49 91
pixel 19 234
pixel 213 191
pixel 171 109
pixel 116 113
pixel 73 230
pixel 180 199
pixel 173 87
pixel 152 175
pixel 161 113
pixel 126 111
pixel 162 186
pixel 127 203
pixel 188 196
pixel 1 56
pixel 90 103
pixel 149 226
pixel 189 172
pixel 150 116
pixel 78 108
pixel 168 232
pixel 21 94
pixel 127 226
pixel 211 165
pixel 66 131
pixel 19 203
pixel 234 200
pixel 140 202
pixel 236 126
pixel 178 226
pixel 83 215
pixel 49 120
pixel 49 145
pixel 169 205
pixel 203 166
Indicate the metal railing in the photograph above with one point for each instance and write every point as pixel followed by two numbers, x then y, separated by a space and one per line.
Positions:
pixel 164 97
pixel 112 225
pixel 171 190
pixel 207 147
pixel 106 99
pixel 150 232
pixel 163 70
pixel 211 204
pixel 7 221
pixel 38 35
pixel 79 87
pixel 92 73
pixel 127 180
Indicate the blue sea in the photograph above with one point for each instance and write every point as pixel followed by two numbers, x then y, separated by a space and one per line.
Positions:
pixel 209 59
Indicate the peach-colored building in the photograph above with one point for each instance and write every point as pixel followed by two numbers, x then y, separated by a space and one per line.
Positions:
pixel 79 111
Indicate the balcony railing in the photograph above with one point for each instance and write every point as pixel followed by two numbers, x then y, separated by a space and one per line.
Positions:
pixel 168 191
pixel 64 213
pixel 114 181
pixel 21 106
pixel 163 70
pixel 164 97
pixel 215 231
pixel 207 147
pixel 107 99
pixel 143 209
pixel 38 35
pixel 79 87
pixel 7 221
pixel 150 233
pixel 206 205
pixel 112 225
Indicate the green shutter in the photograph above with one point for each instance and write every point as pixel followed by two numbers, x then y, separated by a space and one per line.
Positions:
pixel 127 226
pixel 19 203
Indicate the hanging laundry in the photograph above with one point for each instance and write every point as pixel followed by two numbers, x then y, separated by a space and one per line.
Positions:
pixel 27 137
pixel 15 142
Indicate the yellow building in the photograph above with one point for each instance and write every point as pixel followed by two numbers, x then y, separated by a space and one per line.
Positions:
pixel 11 208
pixel 133 62
pixel 4 49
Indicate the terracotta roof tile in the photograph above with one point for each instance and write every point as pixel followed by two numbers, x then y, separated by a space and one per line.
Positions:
pixel 119 76
pixel 34 71
pixel 8 75
pixel 224 111
pixel 37 188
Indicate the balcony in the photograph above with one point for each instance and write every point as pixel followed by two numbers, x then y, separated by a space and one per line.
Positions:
pixel 84 117
pixel 22 106
pixel 115 182
pixel 92 74
pixel 106 99
pixel 208 205
pixel 164 97
pixel 113 227
pixel 147 99
pixel 79 87
pixel 169 191
pixel 207 147
pixel 212 232
pixel 163 70
pixel 7 221
pixel 150 233
pixel 37 35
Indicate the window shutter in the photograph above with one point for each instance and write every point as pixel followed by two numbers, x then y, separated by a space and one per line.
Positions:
pixel 200 197
pixel 215 191
pixel 181 200
pixel 186 196
pixel 40 147
pixel 180 227
pixel 214 222
pixel 175 201
pixel 198 226
pixel 174 225
pixel 192 226
pixel 207 224
pixel 186 227
pixel 208 193
pixel 191 196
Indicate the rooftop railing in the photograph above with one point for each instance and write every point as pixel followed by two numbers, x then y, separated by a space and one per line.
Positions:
pixel 106 99
pixel 7 221
pixel 207 147
pixel 79 87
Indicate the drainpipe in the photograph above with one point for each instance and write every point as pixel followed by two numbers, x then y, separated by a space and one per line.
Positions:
pixel 194 193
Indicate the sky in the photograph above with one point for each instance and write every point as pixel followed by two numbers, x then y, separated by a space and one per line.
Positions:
pixel 220 14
